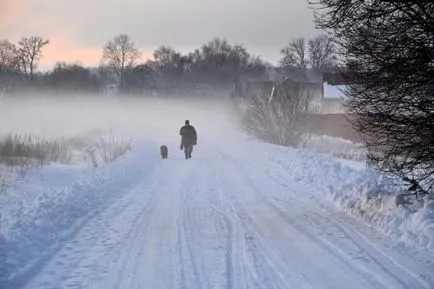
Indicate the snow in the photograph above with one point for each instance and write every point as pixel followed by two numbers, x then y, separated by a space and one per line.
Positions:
pixel 239 214
pixel 365 193
pixel 335 146
pixel 333 97
pixel 334 91
pixel 38 214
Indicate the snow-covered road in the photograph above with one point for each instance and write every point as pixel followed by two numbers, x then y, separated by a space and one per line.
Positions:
pixel 227 219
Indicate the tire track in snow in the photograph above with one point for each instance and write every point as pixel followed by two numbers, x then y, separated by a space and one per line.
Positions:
pixel 264 259
pixel 389 265
pixel 234 264
pixel 136 238
pixel 80 258
pixel 336 252
pixel 385 263
pixel 149 255
pixel 153 257
pixel 60 243
pixel 269 276
pixel 127 241
pixel 223 223
pixel 187 259
pixel 208 232
pixel 224 228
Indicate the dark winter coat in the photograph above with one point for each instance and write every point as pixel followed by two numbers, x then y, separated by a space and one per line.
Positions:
pixel 188 135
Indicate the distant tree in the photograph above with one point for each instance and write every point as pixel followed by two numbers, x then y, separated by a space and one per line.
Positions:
pixel 218 55
pixel 171 67
pixel 389 48
pixel 9 73
pixel 168 61
pixel 140 78
pixel 256 66
pixel 322 53
pixel 106 77
pixel 215 63
pixel 120 54
pixel 29 52
pixel 218 61
pixel 73 77
pixel 8 55
pixel 294 56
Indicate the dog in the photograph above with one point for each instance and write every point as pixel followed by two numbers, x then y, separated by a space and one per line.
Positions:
pixel 164 151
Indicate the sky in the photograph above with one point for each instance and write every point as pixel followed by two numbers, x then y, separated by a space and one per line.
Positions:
pixel 78 29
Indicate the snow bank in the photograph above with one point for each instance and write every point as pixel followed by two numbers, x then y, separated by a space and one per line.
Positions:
pixel 337 147
pixel 363 192
pixel 54 201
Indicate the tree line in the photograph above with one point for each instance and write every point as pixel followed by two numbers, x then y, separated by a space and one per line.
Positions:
pixel 215 64
pixel 388 47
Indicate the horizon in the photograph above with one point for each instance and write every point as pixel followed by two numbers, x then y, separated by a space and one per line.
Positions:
pixel 78 29
pixel 146 54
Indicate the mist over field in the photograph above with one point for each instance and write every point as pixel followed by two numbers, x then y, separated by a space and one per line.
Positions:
pixel 158 119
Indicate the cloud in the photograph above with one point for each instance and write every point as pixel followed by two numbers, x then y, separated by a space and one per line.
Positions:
pixel 80 28
pixel 63 47
pixel 11 12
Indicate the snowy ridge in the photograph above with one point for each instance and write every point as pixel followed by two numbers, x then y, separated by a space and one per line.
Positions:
pixel 335 146
pixel 54 202
pixel 359 190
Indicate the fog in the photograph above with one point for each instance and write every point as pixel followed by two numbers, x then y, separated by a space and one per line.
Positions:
pixel 154 119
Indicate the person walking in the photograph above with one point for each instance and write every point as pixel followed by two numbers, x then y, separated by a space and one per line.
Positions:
pixel 188 138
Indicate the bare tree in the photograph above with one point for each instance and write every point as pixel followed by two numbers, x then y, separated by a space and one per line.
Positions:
pixel 73 77
pixel 8 66
pixel 168 61
pixel 119 55
pixel 29 52
pixel 294 55
pixel 216 63
pixel 221 62
pixel 170 66
pixel 7 55
pixel 281 116
pixel 389 46
pixel 321 53
pixel 140 78
pixel 106 78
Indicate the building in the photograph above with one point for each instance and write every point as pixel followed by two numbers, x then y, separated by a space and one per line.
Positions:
pixel 334 85
pixel 327 96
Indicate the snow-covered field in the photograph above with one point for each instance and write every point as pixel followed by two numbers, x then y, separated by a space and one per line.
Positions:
pixel 239 214
pixel 334 146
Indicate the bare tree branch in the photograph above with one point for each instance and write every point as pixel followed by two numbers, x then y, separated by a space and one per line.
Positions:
pixel 120 54
pixel 321 53
pixel 7 55
pixel 29 52
pixel 281 116
pixel 389 48
pixel 294 55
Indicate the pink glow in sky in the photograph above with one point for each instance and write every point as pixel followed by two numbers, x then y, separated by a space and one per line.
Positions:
pixel 78 29
pixel 63 48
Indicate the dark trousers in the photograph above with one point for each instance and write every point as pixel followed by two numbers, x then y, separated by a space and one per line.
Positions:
pixel 188 149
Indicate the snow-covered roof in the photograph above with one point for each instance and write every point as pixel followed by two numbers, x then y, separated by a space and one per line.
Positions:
pixel 333 91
